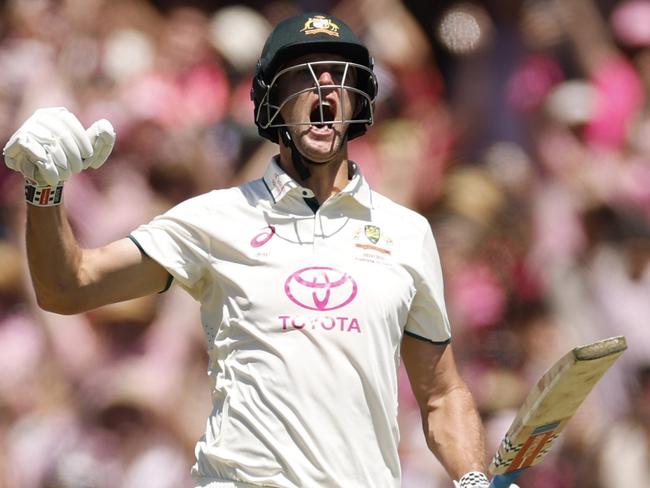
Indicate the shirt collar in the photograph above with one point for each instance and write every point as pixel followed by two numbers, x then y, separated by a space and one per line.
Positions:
pixel 279 184
pixel 277 181
pixel 358 187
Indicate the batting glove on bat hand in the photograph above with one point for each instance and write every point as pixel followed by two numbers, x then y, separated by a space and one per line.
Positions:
pixel 50 146
pixel 475 479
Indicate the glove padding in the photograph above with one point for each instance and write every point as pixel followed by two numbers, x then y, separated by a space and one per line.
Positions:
pixel 51 145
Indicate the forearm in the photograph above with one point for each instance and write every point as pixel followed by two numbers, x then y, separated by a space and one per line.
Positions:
pixel 47 149
pixel 68 279
pixel 452 426
pixel 454 432
pixel 53 254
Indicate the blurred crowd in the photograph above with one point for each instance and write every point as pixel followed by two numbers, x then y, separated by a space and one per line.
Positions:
pixel 520 128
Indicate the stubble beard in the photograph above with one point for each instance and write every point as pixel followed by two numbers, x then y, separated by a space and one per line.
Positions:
pixel 316 151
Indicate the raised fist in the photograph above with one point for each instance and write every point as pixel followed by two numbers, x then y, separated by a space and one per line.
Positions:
pixel 52 144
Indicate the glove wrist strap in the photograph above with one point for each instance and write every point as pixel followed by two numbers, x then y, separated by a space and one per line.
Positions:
pixel 43 195
pixel 473 479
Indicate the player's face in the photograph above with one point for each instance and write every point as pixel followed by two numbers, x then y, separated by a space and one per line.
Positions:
pixel 318 103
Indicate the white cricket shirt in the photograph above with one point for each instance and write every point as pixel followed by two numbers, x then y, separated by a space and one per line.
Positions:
pixel 304 313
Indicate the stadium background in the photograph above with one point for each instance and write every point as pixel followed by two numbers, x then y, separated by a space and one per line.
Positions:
pixel 519 128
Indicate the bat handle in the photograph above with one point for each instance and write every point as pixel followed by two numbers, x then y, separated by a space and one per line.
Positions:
pixel 505 480
pixel 495 483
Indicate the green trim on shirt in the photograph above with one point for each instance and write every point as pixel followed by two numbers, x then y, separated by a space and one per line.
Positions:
pixel 170 278
pixel 420 338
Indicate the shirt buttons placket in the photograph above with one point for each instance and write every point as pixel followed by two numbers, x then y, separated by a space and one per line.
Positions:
pixel 319 231
pixel 315 236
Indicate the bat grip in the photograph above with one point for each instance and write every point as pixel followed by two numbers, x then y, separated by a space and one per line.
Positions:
pixel 495 482
pixel 504 480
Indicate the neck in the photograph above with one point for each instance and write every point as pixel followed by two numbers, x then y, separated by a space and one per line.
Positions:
pixel 325 178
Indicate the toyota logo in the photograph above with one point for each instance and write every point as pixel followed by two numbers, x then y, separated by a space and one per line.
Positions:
pixel 320 288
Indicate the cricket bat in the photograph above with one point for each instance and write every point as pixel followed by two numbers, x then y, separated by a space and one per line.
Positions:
pixel 549 406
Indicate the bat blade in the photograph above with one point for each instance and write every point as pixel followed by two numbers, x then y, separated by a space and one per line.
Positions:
pixel 550 405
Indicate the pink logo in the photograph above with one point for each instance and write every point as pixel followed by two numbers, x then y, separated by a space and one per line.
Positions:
pixel 277 182
pixel 263 237
pixel 320 288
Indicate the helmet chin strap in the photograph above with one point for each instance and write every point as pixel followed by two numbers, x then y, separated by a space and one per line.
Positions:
pixel 297 158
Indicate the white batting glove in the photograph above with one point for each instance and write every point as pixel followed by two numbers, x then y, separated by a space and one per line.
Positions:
pixel 52 145
pixel 475 479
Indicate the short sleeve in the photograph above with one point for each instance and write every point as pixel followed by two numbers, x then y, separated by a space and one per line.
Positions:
pixel 427 317
pixel 179 245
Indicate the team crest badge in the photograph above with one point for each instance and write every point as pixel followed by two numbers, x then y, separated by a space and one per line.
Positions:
pixel 373 233
pixel 320 25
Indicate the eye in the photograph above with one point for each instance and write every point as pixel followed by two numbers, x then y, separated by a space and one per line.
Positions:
pixel 305 74
pixel 301 75
pixel 339 71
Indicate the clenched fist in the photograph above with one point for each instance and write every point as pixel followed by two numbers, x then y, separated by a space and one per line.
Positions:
pixel 52 144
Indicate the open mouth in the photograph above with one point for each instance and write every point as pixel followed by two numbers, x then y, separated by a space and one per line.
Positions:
pixel 326 119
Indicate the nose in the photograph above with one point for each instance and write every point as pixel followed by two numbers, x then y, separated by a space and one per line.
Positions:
pixel 325 77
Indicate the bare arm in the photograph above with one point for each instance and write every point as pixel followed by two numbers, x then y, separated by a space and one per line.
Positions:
pixel 68 279
pixel 452 426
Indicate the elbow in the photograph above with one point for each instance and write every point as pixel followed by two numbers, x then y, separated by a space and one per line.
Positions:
pixel 60 309
pixel 61 302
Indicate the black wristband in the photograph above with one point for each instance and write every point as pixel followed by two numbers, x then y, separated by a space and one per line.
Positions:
pixel 43 196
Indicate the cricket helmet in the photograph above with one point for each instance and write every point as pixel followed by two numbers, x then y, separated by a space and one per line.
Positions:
pixel 305 34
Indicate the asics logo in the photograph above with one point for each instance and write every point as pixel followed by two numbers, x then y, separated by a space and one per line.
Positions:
pixel 263 237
